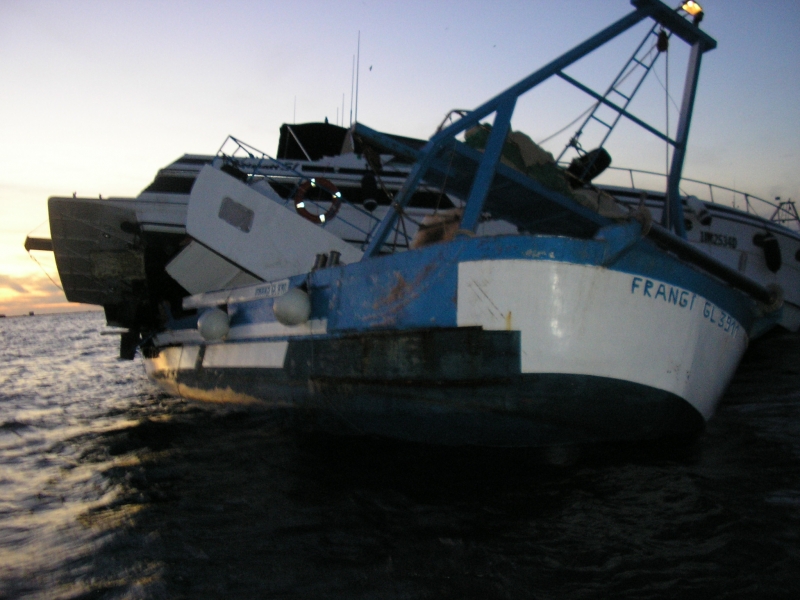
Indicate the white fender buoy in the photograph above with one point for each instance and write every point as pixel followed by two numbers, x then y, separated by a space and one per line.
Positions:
pixel 293 308
pixel 213 325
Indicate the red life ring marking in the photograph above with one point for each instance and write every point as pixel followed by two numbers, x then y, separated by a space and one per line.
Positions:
pixel 300 199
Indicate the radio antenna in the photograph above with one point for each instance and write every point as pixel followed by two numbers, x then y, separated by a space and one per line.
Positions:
pixel 358 69
pixel 352 84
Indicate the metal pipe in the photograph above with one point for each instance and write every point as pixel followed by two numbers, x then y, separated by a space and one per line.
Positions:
pixel 32 243
pixel 685 251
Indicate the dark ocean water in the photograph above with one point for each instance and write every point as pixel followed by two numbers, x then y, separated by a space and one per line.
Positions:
pixel 111 489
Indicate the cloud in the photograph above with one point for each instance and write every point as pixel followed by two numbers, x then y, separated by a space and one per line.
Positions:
pixel 35 291
pixel 42 285
pixel 32 292
pixel 9 282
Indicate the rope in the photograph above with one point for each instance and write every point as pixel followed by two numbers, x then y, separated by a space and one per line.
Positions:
pixel 397 230
pixel 41 266
pixel 374 163
pixel 594 106
pixel 671 99
pixel 44 271
pixel 563 129
pixel 405 231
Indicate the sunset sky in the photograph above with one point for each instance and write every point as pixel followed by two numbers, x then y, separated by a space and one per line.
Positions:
pixel 95 97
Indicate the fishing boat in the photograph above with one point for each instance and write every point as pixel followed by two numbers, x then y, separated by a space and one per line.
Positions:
pixel 103 245
pixel 530 312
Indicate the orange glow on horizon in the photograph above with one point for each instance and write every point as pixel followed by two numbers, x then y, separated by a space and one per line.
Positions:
pixel 19 295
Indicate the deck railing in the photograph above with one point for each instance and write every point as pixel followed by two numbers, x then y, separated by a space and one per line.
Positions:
pixel 778 211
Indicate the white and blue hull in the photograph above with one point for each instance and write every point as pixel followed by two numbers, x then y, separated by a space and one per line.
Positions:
pixel 505 341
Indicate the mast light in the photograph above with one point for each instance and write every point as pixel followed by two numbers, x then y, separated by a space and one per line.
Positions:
pixel 694 9
pixel 691 7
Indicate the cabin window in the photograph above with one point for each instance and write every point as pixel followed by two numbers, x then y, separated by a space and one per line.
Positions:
pixel 236 214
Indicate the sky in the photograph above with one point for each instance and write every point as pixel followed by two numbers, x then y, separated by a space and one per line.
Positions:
pixel 96 96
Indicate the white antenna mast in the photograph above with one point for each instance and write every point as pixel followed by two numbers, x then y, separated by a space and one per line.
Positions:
pixel 358 68
pixel 352 84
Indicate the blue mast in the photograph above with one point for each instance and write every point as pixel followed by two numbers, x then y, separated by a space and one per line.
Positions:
pixel 503 106
pixel 672 217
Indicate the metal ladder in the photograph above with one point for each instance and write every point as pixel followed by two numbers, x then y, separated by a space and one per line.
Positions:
pixel 641 62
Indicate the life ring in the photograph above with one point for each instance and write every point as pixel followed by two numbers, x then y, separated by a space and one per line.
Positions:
pixel 300 200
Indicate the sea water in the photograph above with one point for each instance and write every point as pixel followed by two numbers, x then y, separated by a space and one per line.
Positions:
pixel 109 488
